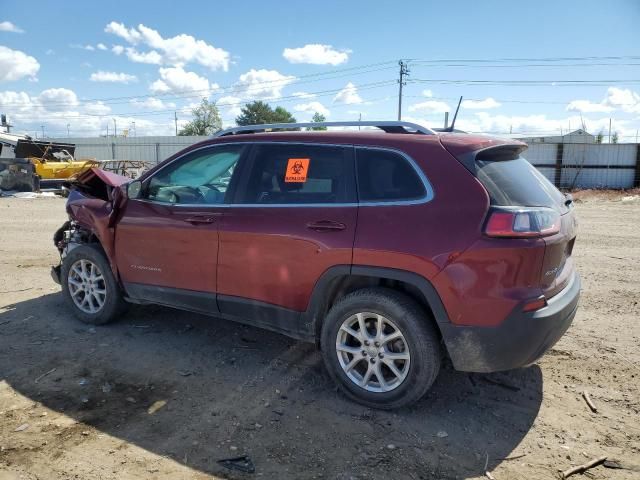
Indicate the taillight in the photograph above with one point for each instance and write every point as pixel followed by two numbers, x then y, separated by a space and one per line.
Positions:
pixel 522 222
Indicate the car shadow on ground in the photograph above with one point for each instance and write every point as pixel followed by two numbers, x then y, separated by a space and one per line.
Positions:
pixel 232 390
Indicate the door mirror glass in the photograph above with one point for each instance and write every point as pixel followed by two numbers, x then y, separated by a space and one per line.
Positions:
pixel 134 189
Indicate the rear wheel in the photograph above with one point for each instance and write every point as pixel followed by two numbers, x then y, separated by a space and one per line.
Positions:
pixel 89 286
pixel 381 348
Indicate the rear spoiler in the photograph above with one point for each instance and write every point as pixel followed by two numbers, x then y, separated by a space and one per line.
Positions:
pixel 468 149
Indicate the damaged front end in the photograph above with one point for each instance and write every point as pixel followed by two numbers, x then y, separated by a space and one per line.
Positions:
pixel 95 199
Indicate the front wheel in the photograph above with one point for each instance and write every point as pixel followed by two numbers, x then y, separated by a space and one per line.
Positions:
pixel 89 286
pixel 381 348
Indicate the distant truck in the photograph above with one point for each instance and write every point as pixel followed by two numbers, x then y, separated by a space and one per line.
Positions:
pixel 53 163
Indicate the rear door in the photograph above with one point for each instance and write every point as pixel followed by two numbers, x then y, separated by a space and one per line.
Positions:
pixel 167 240
pixel 293 217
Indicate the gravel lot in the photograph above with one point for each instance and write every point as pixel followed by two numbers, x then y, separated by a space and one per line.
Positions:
pixel 75 400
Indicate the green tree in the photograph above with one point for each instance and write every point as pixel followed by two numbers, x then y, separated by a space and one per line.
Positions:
pixel 614 137
pixel 318 117
pixel 206 120
pixel 599 136
pixel 258 112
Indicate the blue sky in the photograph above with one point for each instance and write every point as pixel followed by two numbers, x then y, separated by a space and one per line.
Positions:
pixel 82 65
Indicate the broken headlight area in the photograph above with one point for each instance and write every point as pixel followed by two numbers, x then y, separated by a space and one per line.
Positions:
pixel 66 238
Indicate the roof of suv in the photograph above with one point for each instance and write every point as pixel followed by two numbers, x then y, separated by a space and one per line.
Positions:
pixel 456 143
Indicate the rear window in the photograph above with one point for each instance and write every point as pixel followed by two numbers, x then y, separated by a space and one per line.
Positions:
pixel 385 176
pixel 518 183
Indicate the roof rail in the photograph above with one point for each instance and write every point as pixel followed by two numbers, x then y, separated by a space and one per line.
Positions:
pixel 387 126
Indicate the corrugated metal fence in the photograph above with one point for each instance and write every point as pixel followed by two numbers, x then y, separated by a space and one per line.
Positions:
pixel 567 165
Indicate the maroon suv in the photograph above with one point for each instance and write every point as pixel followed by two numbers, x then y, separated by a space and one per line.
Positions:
pixel 387 249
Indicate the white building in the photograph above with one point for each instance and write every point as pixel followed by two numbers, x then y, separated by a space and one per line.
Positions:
pixel 577 136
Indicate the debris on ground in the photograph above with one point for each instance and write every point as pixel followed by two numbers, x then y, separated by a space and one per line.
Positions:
pixel 44 375
pixel 584 467
pixel 241 464
pixel 587 399
pixel 155 406
pixel 22 427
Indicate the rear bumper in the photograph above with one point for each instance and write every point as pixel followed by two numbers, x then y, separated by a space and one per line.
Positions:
pixel 519 341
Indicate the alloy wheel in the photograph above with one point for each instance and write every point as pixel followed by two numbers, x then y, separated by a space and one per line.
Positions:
pixel 373 352
pixel 87 286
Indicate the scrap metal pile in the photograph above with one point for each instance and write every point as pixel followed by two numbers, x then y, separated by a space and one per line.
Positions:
pixel 28 165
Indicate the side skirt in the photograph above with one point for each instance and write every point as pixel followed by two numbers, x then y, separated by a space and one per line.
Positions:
pixel 240 310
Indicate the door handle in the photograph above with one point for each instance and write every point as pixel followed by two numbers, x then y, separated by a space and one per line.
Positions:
pixel 326 226
pixel 195 219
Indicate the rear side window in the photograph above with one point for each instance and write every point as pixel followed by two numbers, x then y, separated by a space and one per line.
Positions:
pixel 298 174
pixel 385 176
pixel 518 183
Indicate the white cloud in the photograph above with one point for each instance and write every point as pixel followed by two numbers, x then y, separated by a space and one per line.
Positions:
pixel 231 105
pixel 152 103
pixel 151 57
pixel 56 108
pixel 616 99
pixel 58 99
pixel 427 93
pixel 485 104
pixel 348 95
pixel 316 54
pixel 117 49
pixel 15 65
pixel 10 27
pixel 585 106
pixel 112 77
pixel 97 108
pixel 261 84
pixel 178 50
pixel 131 35
pixel 430 106
pixel 303 95
pixel 101 46
pixel 176 79
pixel 91 48
pixel 312 107
pixel 624 99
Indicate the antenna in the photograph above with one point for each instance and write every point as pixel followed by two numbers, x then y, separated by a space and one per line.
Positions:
pixel 453 122
pixel 455 115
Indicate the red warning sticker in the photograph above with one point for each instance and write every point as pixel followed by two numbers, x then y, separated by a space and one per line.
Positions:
pixel 297 169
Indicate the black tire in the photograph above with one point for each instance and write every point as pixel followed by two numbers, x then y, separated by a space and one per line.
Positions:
pixel 417 327
pixel 114 305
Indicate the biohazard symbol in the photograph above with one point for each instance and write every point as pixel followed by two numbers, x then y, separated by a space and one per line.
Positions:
pixel 297 169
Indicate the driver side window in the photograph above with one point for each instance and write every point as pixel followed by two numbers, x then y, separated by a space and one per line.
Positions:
pixel 200 178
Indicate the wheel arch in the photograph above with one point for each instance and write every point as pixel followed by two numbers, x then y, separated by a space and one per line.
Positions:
pixel 341 280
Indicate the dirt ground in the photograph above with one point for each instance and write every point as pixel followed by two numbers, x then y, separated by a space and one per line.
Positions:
pixel 75 400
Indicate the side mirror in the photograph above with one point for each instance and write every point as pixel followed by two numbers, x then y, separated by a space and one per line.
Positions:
pixel 134 189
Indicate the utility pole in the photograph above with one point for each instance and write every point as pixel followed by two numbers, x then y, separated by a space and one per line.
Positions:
pixel 175 119
pixel 609 130
pixel 446 120
pixel 42 127
pixel 134 129
pixel 68 134
pixel 360 119
pixel 404 70
pixel 115 128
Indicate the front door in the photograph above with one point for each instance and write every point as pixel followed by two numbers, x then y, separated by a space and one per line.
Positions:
pixel 167 240
pixel 292 217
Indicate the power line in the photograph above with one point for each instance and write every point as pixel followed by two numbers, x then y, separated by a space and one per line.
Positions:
pixel 526 82
pixel 226 89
